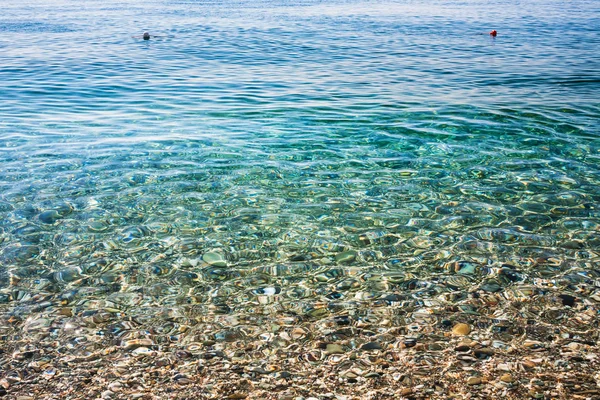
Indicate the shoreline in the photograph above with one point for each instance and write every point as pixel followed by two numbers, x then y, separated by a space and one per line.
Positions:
pixel 351 360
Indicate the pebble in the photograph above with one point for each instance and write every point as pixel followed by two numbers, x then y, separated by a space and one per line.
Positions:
pixel 573 245
pixel 333 348
pixel 283 374
pixel 461 329
pixel 49 217
pixel 115 386
pixel 215 259
pixel 508 378
pixel 503 367
pixel 567 300
pixel 107 394
pixel 135 343
pixel 573 346
pixel 371 346
pixel 346 256
pixel 474 381
pixel 483 353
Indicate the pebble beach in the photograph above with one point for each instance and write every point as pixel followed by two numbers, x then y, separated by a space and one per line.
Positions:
pixel 321 200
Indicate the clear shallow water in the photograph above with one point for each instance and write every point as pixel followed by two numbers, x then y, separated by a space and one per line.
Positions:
pixel 259 161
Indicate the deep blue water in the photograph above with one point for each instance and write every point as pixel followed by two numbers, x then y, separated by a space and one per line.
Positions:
pixel 273 152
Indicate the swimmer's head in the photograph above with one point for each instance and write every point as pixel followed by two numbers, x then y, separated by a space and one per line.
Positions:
pixel 146 36
pixel 494 33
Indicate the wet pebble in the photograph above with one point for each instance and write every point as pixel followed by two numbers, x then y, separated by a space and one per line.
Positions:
pixel 572 245
pixel 490 287
pixel 483 353
pixel 215 259
pixel 567 299
pixel 371 346
pixel 182 379
pixel 107 394
pixel 283 374
pixel 49 217
pixel 461 329
pixel 333 348
pixel 135 343
pixel 474 381
pixel 97 226
pixel 503 367
pixel 346 256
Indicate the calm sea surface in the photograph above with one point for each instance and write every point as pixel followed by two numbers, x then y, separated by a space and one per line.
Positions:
pixel 318 158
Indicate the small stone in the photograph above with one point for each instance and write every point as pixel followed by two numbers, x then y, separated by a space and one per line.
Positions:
pixel 567 300
pixel 283 374
pixel 462 348
pixel 215 259
pixel 66 311
pixel 371 346
pixel 572 245
pixel 528 364
pixel 573 346
pixel 257 370
pixel 406 391
pixel 483 353
pixel 49 217
pixel 333 348
pixel 474 381
pixel 507 378
pixel 461 329
pixel 350 375
pixel 182 379
pixel 503 367
pixel 491 287
pixel 346 256
pixel 115 387
pixel 107 394
pixel 135 343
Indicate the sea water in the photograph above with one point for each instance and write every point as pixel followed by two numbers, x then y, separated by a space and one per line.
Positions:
pixel 260 159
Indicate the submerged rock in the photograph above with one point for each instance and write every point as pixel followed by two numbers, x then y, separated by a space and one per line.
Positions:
pixel 215 259
pixel 346 256
pixel 461 329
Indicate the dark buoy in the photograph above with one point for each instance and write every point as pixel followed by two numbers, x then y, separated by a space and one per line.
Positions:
pixel 492 33
pixel 146 36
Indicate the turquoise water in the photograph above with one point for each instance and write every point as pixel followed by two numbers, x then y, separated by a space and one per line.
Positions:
pixel 268 162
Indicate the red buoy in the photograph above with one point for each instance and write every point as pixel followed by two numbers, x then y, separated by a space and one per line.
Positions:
pixel 494 33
